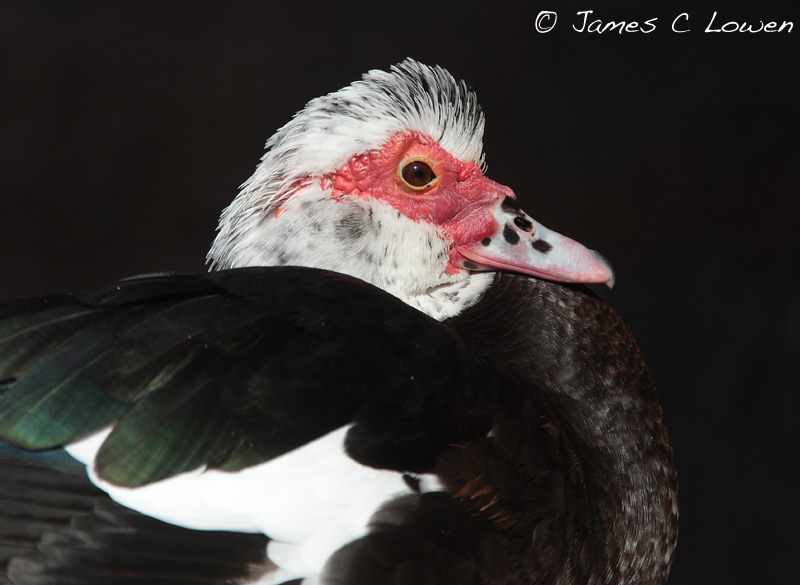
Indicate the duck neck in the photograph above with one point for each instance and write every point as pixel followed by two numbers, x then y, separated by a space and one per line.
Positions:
pixel 594 473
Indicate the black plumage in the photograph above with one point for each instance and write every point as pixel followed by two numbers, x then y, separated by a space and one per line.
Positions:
pixel 232 368
pixel 517 441
pixel 534 407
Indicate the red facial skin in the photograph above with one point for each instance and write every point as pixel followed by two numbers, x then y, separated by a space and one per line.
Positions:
pixel 458 200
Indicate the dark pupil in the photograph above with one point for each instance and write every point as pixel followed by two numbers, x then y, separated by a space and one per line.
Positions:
pixel 417 174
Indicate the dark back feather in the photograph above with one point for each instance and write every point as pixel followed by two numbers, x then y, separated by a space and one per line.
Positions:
pixel 534 407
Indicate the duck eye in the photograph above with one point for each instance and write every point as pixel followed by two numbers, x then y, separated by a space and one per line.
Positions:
pixel 417 174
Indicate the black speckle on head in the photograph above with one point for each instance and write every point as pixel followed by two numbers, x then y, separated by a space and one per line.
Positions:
pixel 541 246
pixel 470 265
pixel 425 85
pixel 486 241
pixel 350 227
pixel 329 109
pixel 510 204
pixel 288 232
pixel 316 226
pixel 366 257
pixel 523 223
pixel 510 235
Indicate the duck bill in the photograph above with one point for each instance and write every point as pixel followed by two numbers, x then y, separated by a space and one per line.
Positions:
pixel 521 244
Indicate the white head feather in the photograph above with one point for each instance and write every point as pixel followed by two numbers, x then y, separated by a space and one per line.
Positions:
pixel 322 137
pixel 356 119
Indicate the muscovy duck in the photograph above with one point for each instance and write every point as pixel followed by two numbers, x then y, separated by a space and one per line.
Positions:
pixel 377 382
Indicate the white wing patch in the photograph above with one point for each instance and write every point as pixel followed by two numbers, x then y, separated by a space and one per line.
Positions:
pixel 310 501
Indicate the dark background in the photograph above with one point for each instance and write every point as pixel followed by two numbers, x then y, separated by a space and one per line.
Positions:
pixel 125 129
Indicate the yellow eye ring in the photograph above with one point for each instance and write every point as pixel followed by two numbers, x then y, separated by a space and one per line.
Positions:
pixel 417 174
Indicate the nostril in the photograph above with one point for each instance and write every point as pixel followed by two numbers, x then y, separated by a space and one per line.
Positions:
pixel 523 223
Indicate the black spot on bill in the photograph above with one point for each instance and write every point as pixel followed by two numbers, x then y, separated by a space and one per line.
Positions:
pixel 470 265
pixel 486 241
pixel 510 235
pixel 509 204
pixel 541 246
